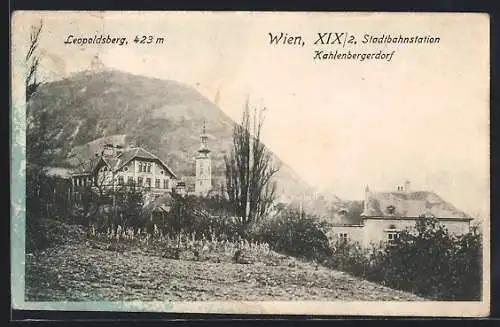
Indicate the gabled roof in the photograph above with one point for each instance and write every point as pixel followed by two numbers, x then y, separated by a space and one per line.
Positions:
pixel 61 172
pixel 138 152
pixel 163 202
pixel 87 167
pixel 117 162
pixel 410 204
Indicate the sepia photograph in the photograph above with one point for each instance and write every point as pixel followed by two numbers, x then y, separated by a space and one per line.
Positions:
pixel 251 162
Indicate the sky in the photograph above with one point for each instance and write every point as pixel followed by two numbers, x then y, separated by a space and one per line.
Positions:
pixel 341 125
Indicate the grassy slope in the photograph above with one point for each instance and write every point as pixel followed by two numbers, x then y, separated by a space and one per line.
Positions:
pixel 83 271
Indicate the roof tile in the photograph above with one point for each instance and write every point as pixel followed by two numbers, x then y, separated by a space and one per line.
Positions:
pixel 410 204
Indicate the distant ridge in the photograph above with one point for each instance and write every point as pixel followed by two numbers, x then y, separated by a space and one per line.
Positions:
pixel 90 108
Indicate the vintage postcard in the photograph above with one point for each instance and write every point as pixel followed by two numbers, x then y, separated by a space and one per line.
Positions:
pixel 251 162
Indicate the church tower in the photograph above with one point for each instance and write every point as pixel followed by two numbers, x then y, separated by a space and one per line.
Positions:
pixel 203 166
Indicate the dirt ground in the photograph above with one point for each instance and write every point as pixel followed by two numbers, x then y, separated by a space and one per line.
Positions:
pixel 78 272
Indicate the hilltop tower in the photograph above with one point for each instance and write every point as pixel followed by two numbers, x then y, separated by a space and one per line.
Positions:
pixel 96 65
pixel 203 166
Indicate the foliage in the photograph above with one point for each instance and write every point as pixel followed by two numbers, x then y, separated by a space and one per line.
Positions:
pixel 429 262
pixel 249 171
pixel 102 207
pixel 184 246
pixel 52 232
pixel 46 197
pixel 294 233
pixel 206 218
pixel 349 256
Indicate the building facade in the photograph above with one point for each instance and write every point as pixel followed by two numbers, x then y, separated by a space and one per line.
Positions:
pixel 386 214
pixel 116 167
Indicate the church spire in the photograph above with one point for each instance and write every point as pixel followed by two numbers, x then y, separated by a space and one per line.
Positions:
pixel 203 139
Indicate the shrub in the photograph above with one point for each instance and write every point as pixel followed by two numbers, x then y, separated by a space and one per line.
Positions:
pixel 51 232
pixel 294 233
pixel 351 257
pixel 434 263
pixel 204 218
pixel 431 262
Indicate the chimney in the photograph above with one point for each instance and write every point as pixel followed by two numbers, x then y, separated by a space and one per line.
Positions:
pixel 119 149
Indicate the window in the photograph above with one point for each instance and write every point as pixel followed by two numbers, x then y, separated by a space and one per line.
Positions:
pixel 149 167
pixel 157 183
pixel 392 236
pixel 343 237
pixel 161 172
pixel 139 181
pixel 105 168
pixel 130 180
pixel 165 183
pixel 391 209
pixel 201 169
pixel 343 212
pixel 125 168
pixel 148 182
pixel 121 180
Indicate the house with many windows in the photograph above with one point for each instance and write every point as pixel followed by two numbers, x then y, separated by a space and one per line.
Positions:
pixel 385 214
pixel 116 166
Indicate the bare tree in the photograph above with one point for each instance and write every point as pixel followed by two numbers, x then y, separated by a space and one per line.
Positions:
pixel 36 121
pixel 32 59
pixel 36 149
pixel 249 170
pixel 105 201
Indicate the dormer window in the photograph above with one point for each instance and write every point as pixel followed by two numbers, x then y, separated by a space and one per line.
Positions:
pixel 391 209
pixel 343 212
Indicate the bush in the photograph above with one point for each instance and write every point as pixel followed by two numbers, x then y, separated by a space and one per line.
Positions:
pixel 51 232
pixel 351 257
pixel 295 234
pixel 434 263
pixel 431 263
pixel 204 218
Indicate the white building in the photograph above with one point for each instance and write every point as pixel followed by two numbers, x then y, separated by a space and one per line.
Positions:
pixel 386 214
pixel 115 167
pixel 203 180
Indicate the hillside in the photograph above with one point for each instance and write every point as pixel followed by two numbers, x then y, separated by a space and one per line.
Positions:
pixel 77 272
pixel 163 116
